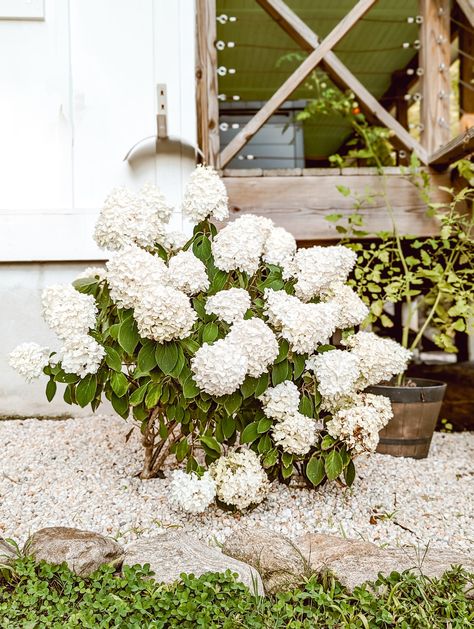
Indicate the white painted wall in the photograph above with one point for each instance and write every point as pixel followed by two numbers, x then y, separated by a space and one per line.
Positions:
pixel 78 90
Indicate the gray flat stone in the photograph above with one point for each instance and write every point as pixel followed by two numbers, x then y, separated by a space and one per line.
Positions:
pixel 173 553
pixel 284 564
pixel 83 551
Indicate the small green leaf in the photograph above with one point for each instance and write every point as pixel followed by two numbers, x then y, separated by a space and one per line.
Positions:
pixel 333 464
pixel 190 388
pixel 119 383
pixel 325 348
pixel 327 442
pixel 233 402
pixel 280 372
pixel 128 335
pixel 228 427
pixel 182 450
pixel 85 391
pixel 264 424
pixel 50 390
pixel 167 356
pixel 138 395
pixel 153 395
pixel 306 406
pixel 146 360
pixel 211 443
pixel 299 362
pixel 249 433
pixel 210 332
pixel 349 473
pixel 270 458
pixel 112 358
pixel 262 385
pixel 264 444
pixel 315 470
pixel 249 386
pixel 120 405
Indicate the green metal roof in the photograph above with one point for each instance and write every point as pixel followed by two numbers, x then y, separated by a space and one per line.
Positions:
pixel 372 50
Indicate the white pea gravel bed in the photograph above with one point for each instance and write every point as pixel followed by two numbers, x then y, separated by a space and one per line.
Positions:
pixel 80 472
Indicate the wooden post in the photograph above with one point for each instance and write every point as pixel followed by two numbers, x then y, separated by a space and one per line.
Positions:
pixel 435 82
pixel 206 81
pixel 466 72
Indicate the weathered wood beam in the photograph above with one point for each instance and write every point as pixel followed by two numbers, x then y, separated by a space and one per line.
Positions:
pixel 206 81
pixel 468 9
pixel 435 82
pixel 339 73
pixel 301 203
pixel 289 86
pixel 466 70
pixel 460 147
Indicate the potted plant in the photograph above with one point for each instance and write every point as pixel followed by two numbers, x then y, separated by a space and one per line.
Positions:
pixel 433 278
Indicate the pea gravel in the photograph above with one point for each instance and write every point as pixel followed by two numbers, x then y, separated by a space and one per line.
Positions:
pixel 81 472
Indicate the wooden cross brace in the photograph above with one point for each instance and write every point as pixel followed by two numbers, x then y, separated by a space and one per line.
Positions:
pixel 339 73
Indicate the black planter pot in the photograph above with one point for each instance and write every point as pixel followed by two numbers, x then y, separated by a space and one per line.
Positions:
pixel 415 413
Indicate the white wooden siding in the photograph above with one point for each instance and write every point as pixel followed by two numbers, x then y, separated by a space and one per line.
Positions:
pixel 77 91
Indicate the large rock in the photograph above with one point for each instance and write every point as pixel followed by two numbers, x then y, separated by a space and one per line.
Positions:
pixel 7 551
pixel 173 553
pixel 284 564
pixel 278 560
pixel 83 551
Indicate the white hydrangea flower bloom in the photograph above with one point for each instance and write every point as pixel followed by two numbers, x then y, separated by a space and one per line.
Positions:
pixel 240 479
pixel 337 372
pixel 29 360
pixel 174 240
pixel 229 305
pixel 351 310
pixel 82 355
pixel 256 340
pixel 205 196
pixel 128 218
pixel 190 492
pixel 309 326
pixel 279 305
pixel 186 272
pixel 279 249
pixel 281 401
pixel 359 425
pixel 296 433
pixel 163 313
pixel 304 326
pixel 239 245
pixel 316 268
pixel 220 368
pixel 92 272
pixel 67 311
pixel 379 358
pixel 133 272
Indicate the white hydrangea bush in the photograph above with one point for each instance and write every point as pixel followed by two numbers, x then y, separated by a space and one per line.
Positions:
pixel 220 346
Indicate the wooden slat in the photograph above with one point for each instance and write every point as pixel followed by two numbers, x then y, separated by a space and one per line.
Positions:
pixel 206 81
pixel 339 73
pixel 435 83
pixel 466 70
pixel 461 146
pixel 293 81
pixel 300 203
pixel 468 8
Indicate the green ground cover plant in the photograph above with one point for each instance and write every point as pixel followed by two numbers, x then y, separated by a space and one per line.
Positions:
pixel 40 595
